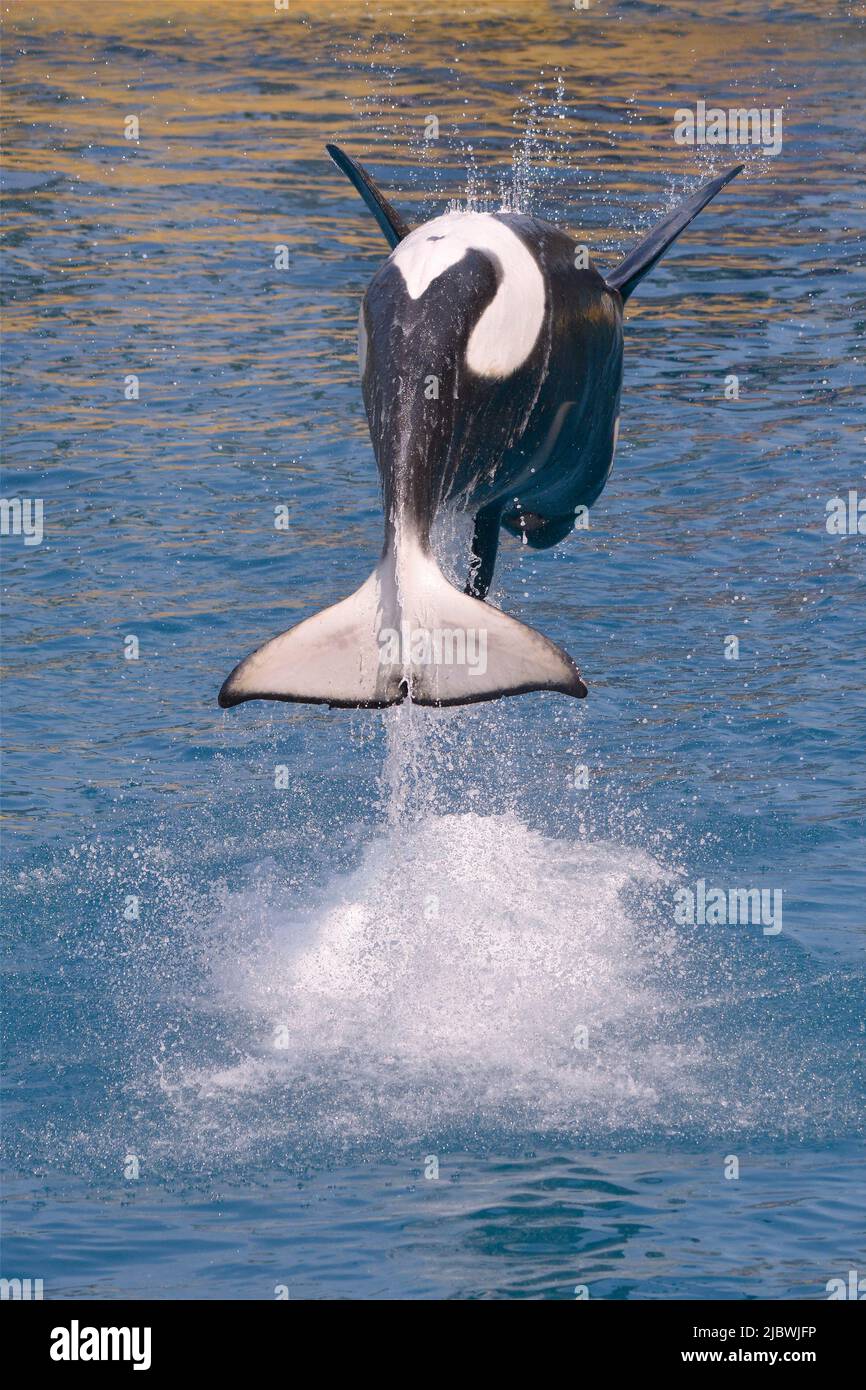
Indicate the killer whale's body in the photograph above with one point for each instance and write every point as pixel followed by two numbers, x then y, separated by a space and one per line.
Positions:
pixel 490 357
pixel 520 429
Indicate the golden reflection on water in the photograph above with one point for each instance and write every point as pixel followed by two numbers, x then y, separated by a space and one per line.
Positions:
pixel 148 247
pixel 197 72
pixel 237 99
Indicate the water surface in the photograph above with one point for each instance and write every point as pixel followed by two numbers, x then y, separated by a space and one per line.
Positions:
pixel 433 943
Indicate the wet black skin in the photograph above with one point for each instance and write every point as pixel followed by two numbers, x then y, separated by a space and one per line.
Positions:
pixel 514 451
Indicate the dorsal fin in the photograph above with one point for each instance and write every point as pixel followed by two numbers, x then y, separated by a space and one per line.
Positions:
pixel 638 262
pixel 389 219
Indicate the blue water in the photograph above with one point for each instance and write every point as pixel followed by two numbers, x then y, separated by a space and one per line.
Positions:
pixel 389 961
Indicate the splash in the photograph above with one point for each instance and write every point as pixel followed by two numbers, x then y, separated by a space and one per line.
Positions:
pixel 469 971
pixel 475 979
pixel 463 975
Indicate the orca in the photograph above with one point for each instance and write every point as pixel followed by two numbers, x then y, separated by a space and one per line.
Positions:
pixel 490 351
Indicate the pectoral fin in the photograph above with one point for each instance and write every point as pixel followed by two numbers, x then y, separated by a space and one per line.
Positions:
pixel 629 273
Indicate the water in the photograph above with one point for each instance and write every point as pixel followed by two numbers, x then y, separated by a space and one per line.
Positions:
pixel 433 945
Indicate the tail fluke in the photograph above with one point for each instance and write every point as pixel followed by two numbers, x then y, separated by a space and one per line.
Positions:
pixel 327 659
pixel 389 219
pixel 636 265
pixel 406 632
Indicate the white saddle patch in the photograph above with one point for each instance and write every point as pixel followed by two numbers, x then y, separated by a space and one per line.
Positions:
pixel 508 330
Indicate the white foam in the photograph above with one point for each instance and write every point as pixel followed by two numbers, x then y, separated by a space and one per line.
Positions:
pixel 443 982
